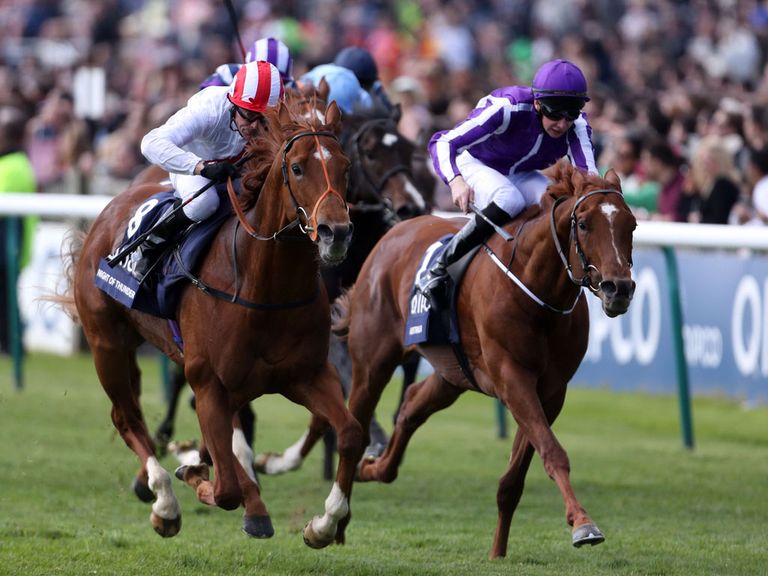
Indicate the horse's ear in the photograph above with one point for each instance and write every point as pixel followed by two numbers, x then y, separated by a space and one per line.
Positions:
pixel 333 117
pixel 323 89
pixel 283 113
pixel 613 178
pixel 577 179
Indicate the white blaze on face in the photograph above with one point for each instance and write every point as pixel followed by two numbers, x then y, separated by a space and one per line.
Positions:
pixel 389 139
pixel 415 195
pixel 325 154
pixel 610 213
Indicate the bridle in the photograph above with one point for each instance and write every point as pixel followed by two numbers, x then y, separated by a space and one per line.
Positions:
pixel 376 186
pixel 307 223
pixel 585 281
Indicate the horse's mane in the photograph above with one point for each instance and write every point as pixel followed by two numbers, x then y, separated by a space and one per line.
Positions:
pixel 265 147
pixel 564 180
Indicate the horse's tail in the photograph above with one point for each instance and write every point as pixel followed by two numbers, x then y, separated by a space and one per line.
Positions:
pixel 71 247
pixel 340 314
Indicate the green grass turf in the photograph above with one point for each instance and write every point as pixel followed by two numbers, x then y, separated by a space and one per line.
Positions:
pixel 66 506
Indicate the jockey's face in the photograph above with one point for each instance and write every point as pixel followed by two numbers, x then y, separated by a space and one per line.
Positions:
pixel 248 122
pixel 556 122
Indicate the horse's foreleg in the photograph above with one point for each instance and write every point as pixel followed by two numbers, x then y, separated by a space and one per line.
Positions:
pixel 534 419
pixel 164 431
pixel 324 399
pixel 215 417
pixel 510 490
pixel 421 401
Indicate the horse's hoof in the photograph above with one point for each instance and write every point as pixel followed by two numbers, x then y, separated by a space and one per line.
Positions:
pixel 166 527
pixel 311 538
pixel 185 472
pixel 587 534
pixel 142 491
pixel 258 526
pixel 374 451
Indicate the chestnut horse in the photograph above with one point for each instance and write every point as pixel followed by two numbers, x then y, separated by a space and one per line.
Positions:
pixel 253 338
pixel 523 324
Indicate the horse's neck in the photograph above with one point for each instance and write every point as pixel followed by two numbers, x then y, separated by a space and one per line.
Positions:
pixel 535 259
pixel 282 268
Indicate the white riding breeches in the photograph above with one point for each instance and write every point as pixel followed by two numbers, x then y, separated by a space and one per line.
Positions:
pixel 201 207
pixel 511 193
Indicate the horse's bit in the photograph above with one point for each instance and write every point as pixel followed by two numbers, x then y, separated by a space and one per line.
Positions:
pixel 585 280
pixel 309 226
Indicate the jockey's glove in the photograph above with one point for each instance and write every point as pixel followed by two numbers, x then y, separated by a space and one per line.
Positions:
pixel 219 171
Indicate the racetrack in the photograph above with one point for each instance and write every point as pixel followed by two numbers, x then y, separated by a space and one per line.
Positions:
pixel 66 505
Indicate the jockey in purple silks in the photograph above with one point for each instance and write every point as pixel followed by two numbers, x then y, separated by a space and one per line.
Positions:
pixel 269 50
pixel 495 156
pixel 201 142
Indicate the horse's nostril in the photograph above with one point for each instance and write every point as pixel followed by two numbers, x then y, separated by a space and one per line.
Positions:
pixel 608 288
pixel 335 233
pixel 406 212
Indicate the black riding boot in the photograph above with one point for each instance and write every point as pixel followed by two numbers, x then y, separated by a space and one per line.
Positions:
pixel 475 231
pixel 166 231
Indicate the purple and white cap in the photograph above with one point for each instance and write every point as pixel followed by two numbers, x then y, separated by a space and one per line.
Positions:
pixel 275 52
pixel 559 79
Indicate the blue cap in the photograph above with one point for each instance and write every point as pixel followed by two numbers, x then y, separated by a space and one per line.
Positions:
pixel 559 79
pixel 344 87
pixel 360 61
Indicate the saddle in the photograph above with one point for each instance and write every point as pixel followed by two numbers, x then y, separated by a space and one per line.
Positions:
pixel 425 324
pixel 159 291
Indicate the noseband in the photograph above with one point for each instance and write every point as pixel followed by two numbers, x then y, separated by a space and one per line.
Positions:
pixel 309 224
pixel 309 227
pixel 585 280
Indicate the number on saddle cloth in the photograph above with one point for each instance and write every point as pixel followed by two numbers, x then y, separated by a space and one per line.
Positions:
pixel 423 324
pixel 159 297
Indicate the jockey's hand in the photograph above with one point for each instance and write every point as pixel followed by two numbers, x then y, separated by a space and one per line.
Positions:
pixel 219 171
pixel 461 193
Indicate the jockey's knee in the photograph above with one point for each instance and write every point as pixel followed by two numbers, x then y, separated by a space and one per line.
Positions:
pixel 203 206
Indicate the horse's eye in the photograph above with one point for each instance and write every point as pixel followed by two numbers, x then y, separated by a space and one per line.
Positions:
pixel 582 225
pixel 296 169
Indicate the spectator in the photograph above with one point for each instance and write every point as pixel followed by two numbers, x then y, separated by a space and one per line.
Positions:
pixel 664 167
pixel 713 183
pixel 16 175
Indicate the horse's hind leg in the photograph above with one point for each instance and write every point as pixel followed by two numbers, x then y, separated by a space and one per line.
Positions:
pixel 120 377
pixel 274 463
pixel 421 401
pixel 325 400
pixel 510 490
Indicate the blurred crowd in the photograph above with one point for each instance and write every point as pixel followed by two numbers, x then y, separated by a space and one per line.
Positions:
pixel 679 88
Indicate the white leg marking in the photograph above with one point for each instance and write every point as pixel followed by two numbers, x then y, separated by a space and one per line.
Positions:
pixel 336 508
pixel 243 452
pixel 166 506
pixel 288 460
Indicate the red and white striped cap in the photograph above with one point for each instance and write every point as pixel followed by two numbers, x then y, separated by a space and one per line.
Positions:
pixel 257 86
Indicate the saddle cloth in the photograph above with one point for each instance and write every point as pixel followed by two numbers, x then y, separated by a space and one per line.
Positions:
pixel 425 324
pixel 159 292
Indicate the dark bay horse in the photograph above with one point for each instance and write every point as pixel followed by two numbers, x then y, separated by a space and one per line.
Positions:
pixel 523 324
pixel 382 192
pixel 271 336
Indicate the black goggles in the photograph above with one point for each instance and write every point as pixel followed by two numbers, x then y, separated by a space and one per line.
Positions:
pixel 248 115
pixel 556 114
